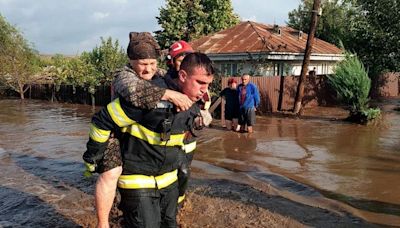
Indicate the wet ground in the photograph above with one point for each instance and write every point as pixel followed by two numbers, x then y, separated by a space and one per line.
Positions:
pixel 317 171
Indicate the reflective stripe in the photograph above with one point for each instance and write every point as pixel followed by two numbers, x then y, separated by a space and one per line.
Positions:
pixel 90 167
pixel 189 147
pixel 142 181
pixel 97 134
pixel 118 115
pixel 152 137
pixel 181 198
pixel 164 104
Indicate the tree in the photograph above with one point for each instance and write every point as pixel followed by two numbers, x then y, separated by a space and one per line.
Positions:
pixel 19 61
pixel 106 58
pixel 90 69
pixel 190 19
pixel 220 15
pixel 370 28
pixel 376 35
pixel 335 23
pixel 352 85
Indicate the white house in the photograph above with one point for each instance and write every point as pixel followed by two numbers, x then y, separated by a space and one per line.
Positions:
pixel 266 50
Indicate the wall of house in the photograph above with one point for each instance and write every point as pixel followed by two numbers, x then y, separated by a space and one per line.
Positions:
pixel 320 67
pixel 277 68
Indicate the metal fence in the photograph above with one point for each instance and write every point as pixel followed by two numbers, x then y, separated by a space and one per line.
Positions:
pixel 278 93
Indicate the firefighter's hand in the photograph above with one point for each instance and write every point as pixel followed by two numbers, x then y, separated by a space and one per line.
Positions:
pixel 180 100
pixel 90 169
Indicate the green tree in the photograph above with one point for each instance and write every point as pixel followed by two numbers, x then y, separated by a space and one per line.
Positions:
pixel 190 19
pixel 335 23
pixel 90 69
pixel 352 85
pixel 54 69
pixel 106 58
pixel 371 28
pixel 376 35
pixel 19 61
pixel 78 72
pixel 220 15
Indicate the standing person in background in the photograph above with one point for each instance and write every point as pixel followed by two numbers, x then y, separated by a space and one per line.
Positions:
pixel 230 94
pixel 131 84
pixel 249 99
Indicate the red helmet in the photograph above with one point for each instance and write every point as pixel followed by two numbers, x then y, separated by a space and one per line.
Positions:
pixel 178 48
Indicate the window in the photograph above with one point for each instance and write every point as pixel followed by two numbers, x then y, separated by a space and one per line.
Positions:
pixel 230 69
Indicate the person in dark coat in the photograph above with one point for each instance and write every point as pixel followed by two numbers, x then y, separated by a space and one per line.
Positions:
pixel 231 96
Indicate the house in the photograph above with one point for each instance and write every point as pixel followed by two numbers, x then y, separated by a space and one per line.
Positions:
pixel 266 50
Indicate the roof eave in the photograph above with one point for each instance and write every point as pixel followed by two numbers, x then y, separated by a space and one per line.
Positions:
pixel 273 56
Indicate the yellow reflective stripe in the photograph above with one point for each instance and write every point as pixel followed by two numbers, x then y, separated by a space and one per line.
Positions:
pixel 181 198
pixel 189 147
pixel 166 179
pixel 90 167
pixel 143 181
pixel 97 134
pixel 152 137
pixel 117 114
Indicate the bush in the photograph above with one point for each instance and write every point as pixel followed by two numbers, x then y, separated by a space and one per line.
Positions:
pixel 352 85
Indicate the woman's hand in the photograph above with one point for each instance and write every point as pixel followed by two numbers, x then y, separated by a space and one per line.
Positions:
pixel 181 101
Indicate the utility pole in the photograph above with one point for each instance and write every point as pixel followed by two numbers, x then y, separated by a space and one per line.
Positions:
pixel 310 40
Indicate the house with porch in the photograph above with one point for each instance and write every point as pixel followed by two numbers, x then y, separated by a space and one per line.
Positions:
pixel 266 50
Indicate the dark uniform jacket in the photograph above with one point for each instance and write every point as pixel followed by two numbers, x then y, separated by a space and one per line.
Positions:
pixel 152 141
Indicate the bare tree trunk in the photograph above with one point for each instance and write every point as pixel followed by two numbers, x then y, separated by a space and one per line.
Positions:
pixel 21 91
pixel 306 60
pixel 93 100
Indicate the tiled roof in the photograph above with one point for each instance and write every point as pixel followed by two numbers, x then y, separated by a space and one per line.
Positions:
pixel 252 37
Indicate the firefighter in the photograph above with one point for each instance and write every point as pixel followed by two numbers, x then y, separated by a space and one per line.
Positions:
pixel 152 146
pixel 176 54
pixel 130 83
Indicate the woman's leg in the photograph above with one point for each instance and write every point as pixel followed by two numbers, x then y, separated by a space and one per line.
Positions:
pixel 106 186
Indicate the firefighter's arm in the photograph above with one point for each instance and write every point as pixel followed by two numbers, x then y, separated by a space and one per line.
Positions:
pixel 99 133
pixel 112 117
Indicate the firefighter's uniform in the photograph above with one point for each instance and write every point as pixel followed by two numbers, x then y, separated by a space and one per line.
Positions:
pixel 153 146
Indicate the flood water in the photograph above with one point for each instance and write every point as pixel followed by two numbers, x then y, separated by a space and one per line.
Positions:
pixel 317 161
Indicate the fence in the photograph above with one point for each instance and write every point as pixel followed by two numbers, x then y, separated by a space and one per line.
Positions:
pixel 386 85
pixel 69 93
pixel 277 93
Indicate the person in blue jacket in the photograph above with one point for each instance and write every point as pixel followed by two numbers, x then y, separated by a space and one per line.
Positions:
pixel 249 99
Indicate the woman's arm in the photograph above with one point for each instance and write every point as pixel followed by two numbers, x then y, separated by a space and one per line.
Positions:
pixel 143 94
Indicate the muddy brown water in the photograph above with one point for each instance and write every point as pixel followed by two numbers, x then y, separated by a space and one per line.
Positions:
pixel 317 161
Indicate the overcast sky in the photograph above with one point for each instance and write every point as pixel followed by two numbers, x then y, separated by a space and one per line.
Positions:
pixel 72 26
